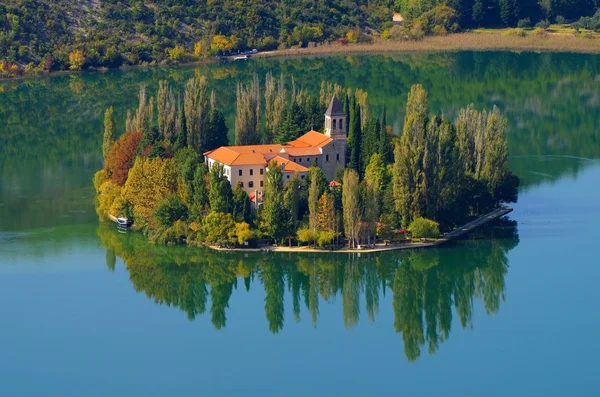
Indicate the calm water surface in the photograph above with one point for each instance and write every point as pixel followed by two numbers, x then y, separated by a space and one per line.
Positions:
pixel 89 312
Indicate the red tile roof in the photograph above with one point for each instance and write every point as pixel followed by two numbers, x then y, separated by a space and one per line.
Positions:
pixel 311 138
pixel 289 166
pixel 308 144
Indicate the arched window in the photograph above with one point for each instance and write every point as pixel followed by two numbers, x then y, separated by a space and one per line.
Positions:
pixel 341 124
pixel 334 124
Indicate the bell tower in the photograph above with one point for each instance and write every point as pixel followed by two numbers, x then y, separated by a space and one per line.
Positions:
pixel 335 120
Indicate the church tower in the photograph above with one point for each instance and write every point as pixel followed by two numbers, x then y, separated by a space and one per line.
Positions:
pixel 335 128
pixel 335 120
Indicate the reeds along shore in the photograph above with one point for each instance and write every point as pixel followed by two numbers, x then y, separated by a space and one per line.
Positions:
pixel 471 41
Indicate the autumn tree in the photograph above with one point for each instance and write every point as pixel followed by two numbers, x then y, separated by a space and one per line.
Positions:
pixel 148 183
pixel 76 59
pixel 121 156
pixel 110 131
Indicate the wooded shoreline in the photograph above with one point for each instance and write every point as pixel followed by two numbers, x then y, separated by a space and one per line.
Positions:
pixel 490 40
pixel 453 235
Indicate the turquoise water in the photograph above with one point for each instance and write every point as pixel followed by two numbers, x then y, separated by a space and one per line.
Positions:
pixel 88 311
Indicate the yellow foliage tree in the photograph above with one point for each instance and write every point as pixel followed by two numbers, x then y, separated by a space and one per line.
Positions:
pixel 353 35
pixel 241 233
pixel 220 43
pixel 198 48
pixel 76 59
pixel 176 54
pixel 149 182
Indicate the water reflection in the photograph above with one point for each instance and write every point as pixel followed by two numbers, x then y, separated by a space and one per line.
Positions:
pixel 428 287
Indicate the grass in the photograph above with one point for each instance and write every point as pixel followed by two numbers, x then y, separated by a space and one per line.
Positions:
pixel 558 38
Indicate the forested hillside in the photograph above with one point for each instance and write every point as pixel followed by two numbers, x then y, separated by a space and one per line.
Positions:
pixel 112 32
pixel 38 35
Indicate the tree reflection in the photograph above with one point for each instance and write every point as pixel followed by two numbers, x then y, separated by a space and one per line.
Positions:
pixel 428 287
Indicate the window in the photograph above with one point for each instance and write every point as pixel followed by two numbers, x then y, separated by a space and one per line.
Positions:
pixel 241 184
pixel 299 160
pixel 262 171
pixel 240 172
pixel 251 172
pixel 308 159
pixel 251 184
pixel 261 183
pixel 334 126
pixel 341 124
pixel 302 177
pixel 326 157
pixel 288 177
pixel 316 160
pixel 337 157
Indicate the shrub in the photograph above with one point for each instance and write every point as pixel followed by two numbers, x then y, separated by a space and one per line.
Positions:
pixel 325 237
pixel 306 235
pixel 524 23
pixel 560 20
pixel 424 228
pixel 539 32
pixel 516 32
pixel 439 31
pixel 544 24
pixel 442 16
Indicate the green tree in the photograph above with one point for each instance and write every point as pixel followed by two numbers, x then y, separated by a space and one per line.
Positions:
pixel 313 201
pixel 424 228
pixel 241 210
pixel 408 155
pixel 291 198
pixel 220 195
pixel 110 131
pixel 217 228
pixel 274 215
pixel 351 206
pixel 509 12
pixel 247 122
pixel 195 105
pixel 171 210
pixel 355 139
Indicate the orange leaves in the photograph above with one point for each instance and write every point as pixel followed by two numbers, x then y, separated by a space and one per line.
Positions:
pixel 121 156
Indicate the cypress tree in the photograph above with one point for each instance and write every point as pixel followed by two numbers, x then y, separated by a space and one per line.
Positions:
pixel 220 195
pixel 274 215
pixel 241 209
pixel 356 140
pixel 110 131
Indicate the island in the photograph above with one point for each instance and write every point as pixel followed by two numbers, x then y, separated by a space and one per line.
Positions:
pixel 174 178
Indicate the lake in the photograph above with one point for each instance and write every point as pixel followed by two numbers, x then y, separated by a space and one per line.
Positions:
pixel 513 310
